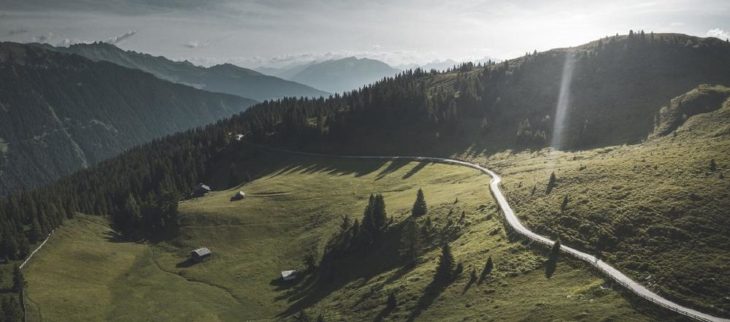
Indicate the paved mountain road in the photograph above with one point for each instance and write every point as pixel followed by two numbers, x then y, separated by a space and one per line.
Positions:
pixel 515 223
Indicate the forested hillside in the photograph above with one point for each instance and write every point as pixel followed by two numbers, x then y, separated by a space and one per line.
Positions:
pixel 224 78
pixel 60 112
pixel 618 85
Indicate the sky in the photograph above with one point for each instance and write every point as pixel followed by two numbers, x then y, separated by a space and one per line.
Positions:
pixel 400 32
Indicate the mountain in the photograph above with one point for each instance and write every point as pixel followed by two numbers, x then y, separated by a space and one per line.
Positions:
pixel 60 112
pixel 224 78
pixel 287 71
pixel 340 75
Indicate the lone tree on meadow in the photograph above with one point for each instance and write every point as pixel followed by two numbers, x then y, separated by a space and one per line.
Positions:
pixel 419 207
pixel 551 182
pixel 445 268
pixel 564 204
pixel 552 261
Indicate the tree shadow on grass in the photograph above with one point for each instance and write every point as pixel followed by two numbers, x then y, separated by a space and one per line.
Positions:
pixel 384 313
pixel 430 294
pixel 361 265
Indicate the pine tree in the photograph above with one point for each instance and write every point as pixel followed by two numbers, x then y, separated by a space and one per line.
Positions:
pixel 713 165
pixel 564 204
pixel 391 302
pixel 555 250
pixel 410 243
pixel 419 207
pixel 552 261
pixel 445 269
pixel 551 182
pixel 18 280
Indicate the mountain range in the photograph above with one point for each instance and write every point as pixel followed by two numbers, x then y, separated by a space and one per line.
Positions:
pixel 336 75
pixel 223 78
pixel 61 112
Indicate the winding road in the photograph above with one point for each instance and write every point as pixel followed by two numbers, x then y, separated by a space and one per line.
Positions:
pixel 518 227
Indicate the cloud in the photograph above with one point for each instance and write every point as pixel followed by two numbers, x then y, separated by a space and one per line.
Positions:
pixel 193 44
pixel 117 39
pixel 718 33
pixel 68 42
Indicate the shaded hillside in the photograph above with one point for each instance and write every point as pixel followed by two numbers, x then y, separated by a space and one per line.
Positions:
pixel 60 112
pixel 225 78
pixel 346 74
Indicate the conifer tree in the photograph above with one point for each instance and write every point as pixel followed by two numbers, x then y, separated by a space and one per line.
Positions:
pixel 410 241
pixel 564 204
pixel 445 269
pixel 551 182
pixel 391 302
pixel 18 280
pixel 419 207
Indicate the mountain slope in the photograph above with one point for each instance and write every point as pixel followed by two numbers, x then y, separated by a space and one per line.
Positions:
pixel 340 75
pixel 618 85
pixel 255 238
pixel 659 199
pixel 225 78
pixel 656 210
pixel 60 112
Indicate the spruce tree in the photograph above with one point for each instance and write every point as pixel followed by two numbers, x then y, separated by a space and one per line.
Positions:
pixel 391 302
pixel 419 207
pixel 445 269
pixel 555 250
pixel 18 280
pixel 551 182
pixel 564 204
pixel 410 243
pixel 713 165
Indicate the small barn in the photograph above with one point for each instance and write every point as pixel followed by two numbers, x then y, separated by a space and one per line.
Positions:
pixel 200 254
pixel 239 137
pixel 200 190
pixel 288 275
pixel 238 196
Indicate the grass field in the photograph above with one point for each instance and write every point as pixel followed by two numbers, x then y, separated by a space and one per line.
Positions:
pixel 292 209
pixel 658 209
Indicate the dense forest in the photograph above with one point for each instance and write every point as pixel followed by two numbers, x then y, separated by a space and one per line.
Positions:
pixel 62 112
pixel 509 101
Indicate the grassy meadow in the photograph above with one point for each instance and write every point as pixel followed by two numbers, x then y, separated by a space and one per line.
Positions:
pixel 656 210
pixel 291 210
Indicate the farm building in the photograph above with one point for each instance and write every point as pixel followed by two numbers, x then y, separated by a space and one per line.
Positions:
pixel 288 275
pixel 200 254
pixel 200 190
pixel 238 196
